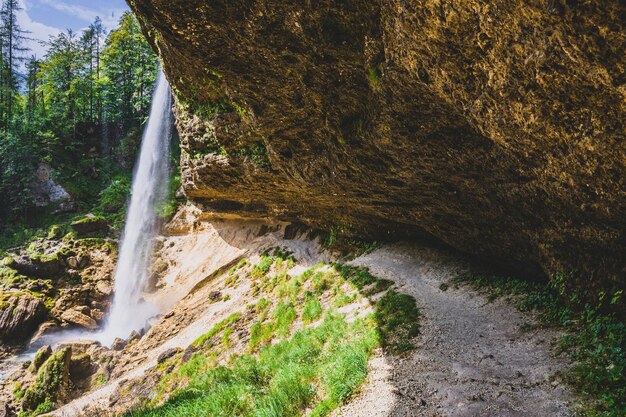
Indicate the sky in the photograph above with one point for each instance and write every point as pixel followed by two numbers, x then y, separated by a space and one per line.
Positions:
pixel 45 18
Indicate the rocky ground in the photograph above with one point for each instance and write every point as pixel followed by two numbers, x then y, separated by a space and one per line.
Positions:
pixel 472 358
pixel 61 281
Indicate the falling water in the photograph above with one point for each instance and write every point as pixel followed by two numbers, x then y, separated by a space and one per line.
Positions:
pixel 129 311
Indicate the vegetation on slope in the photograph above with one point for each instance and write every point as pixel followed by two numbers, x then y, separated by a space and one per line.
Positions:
pixel 305 347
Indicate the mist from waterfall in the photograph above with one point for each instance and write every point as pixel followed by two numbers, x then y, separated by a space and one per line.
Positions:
pixel 149 190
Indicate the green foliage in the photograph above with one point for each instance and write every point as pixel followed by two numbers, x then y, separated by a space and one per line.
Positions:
pixel 167 210
pixel 284 315
pixel 229 321
pixel 263 267
pixel 595 341
pixel 17 165
pixel 318 369
pixel 373 76
pixel 398 320
pixel 312 309
pixel 48 382
pixel 79 90
pixel 360 277
pixel 113 198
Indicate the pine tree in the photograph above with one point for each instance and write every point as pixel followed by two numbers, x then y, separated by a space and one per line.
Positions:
pixel 13 38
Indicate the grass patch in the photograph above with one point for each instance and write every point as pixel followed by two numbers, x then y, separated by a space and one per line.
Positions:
pixel 284 316
pixel 312 309
pixel 285 369
pixel 595 341
pixel 317 370
pixel 397 316
pixel 222 325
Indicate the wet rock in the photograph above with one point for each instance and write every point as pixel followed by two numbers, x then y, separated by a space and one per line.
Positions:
pixel 44 329
pixel 79 316
pixel 118 344
pixel 52 381
pixel 80 347
pixel 167 354
pixel 97 315
pixel 133 336
pixel 20 314
pixel 81 369
pixel 41 357
pixel 104 287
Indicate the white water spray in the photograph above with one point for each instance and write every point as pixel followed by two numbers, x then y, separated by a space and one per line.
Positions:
pixel 150 184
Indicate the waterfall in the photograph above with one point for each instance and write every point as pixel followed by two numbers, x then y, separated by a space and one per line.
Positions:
pixel 150 183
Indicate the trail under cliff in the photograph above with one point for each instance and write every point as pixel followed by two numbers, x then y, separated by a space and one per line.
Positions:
pixel 472 356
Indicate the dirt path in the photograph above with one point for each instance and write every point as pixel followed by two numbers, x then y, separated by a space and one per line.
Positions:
pixel 472 358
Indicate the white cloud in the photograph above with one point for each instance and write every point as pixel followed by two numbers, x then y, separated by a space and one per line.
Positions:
pixel 109 17
pixel 38 31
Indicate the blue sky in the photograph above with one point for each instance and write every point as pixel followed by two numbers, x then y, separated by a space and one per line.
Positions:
pixel 45 18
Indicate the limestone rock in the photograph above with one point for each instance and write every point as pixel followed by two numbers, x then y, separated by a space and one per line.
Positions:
pixel 78 262
pixel 82 368
pixel 20 314
pixel 118 344
pixel 80 317
pixel 46 190
pixel 395 118
pixel 165 355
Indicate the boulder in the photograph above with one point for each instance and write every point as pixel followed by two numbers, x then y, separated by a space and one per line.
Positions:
pixel 82 368
pixel 118 344
pixel 78 262
pixel 80 347
pixel 79 316
pixel 20 315
pixel 44 267
pixel 165 355
pixel 51 382
pixel 134 335
pixel 90 225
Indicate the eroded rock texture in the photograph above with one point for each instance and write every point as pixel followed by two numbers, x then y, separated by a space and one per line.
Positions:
pixel 496 126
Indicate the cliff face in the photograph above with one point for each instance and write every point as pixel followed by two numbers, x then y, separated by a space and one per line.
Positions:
pixel 498 127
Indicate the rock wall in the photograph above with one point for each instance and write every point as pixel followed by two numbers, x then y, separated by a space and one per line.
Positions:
pixel 495 126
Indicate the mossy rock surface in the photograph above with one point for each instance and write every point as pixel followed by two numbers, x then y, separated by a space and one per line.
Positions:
pixel 52 383
pixel 91 226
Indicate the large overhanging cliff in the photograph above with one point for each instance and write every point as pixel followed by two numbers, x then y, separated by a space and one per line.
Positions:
pixel 495 126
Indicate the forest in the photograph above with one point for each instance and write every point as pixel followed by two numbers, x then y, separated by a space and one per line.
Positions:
pixel 79 109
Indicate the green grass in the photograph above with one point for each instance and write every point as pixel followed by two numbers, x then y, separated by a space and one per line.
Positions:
pixel 398 320
pixel 218 328
pixel 284 316
pixel 595 341
pixel 285 370
pixel 312 309
pixel 318 369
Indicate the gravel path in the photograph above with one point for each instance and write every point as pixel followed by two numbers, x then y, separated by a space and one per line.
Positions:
pixel 472 358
